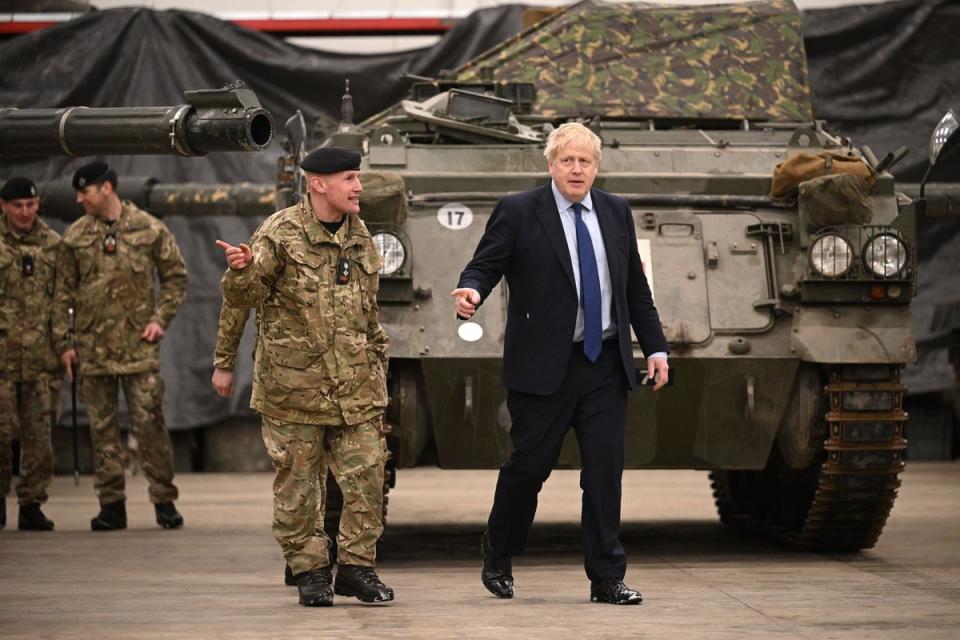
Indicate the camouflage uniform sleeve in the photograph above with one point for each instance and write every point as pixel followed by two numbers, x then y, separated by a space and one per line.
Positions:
pixel 65 286
pixel 250 286
pixel 377 338
pixel 172 271
pixel 229 332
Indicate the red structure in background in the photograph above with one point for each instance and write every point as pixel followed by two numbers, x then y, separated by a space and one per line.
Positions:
pixel 280 26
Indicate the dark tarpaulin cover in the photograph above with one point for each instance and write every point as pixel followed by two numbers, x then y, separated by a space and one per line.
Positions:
pixel 884 75
pixel 140 57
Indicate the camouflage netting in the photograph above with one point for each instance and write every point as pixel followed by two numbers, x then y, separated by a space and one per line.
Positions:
pixel 639 60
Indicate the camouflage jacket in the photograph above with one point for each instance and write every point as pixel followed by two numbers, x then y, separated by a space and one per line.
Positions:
pixel 321 352
pixel 27 268
pixel 115 294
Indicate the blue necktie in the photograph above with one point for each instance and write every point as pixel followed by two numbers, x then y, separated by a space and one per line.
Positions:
pixel 589 288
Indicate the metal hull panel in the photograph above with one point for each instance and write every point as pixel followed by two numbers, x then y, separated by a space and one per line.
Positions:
pixel 729 423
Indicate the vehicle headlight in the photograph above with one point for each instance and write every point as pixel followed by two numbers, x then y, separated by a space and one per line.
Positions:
pixel 831 256
pixel 885 255
pixel 391 250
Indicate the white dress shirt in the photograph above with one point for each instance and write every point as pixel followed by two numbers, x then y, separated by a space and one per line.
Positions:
pixel 589 216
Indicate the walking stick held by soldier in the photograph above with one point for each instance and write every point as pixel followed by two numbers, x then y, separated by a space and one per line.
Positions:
pixel 73 399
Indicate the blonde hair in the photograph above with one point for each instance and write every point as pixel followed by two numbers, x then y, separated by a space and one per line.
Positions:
pixel 568 133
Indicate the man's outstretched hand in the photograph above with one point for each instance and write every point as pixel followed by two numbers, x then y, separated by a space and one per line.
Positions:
pixel 465 301
pixel 237 257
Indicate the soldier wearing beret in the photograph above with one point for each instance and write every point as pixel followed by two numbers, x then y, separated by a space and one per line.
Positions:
pixel 106 271
pixel 30 375
pixel 229 332
pixel 320 383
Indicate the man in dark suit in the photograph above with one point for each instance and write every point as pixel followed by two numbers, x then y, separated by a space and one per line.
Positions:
pixel 569 255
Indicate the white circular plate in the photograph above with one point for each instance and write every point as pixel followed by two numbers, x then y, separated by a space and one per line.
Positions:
pixel 455 216
pixel 470 331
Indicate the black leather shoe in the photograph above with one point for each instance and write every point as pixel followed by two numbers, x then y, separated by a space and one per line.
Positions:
pixel 111 517
pixel 361 583
pixel 167 515
pixel 288 578
pixel 497 572
pixel 314 587
pixel 32 519
pixel 614 592
pixel 3 513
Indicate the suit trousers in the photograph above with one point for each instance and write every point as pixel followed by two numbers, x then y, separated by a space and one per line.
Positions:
pixel 593 400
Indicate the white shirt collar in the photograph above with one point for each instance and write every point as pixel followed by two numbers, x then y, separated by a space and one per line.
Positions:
pixel 563 204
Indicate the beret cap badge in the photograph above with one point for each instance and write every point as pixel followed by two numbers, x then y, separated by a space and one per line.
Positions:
pixel 94 173
pixel 18 187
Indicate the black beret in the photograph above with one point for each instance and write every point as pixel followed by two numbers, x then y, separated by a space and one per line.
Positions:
pixel 18 188
pixel 331 160
pixel 94 173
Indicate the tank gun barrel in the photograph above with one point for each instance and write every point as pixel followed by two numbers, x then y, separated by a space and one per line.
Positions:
pixel 59 200
pixel 943 198
pixel 228 119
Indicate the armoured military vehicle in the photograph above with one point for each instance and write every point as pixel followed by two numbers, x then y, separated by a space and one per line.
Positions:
pixel 788 323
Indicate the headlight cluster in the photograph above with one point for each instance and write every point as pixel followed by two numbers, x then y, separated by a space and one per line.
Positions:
pixel 884 255
pixel 391 250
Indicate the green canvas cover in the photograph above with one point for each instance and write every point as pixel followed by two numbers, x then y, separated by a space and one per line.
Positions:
pixel 642 60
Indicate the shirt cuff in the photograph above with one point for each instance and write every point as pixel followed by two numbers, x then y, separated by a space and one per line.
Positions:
pixel 658 354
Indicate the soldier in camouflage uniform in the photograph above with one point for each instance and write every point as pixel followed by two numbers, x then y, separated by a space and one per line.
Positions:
pixel 30 375
pixel 229 331
pixel 106 269
pixel 320 383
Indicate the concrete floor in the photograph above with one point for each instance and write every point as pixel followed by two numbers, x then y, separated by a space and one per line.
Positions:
pixel 220 576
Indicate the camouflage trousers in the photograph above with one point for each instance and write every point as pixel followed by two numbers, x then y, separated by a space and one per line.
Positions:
pixel 356 455
pixel 33 406
pixel 144 395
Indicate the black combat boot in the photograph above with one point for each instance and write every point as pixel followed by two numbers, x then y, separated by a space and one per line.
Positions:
pixel 112 516
pixel 32 519
pixel 288 577
pixel 497 572
pixel 167 515
pixel 314 587
pixel 361 583
pixel 3 513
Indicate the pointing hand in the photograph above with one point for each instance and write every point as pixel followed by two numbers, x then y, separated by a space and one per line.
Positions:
pixel 237 257
pixel 465 301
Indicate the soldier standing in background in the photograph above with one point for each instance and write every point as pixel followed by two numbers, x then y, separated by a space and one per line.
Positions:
pixel 229 331
pixel 320 383
pixel 30 375
pixel 106 271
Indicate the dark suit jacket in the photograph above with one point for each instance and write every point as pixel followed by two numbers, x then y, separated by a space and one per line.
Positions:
pixel 524 242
